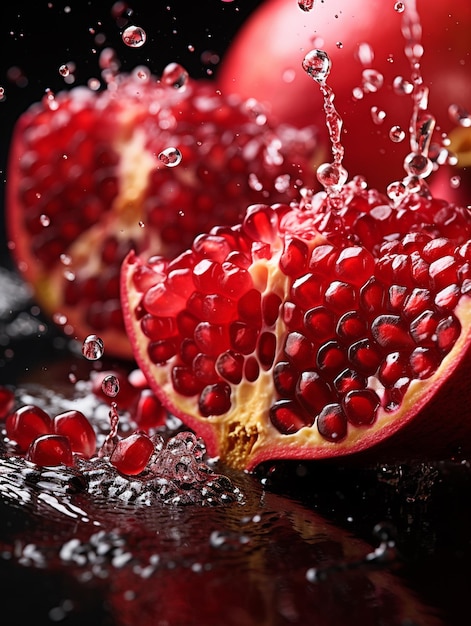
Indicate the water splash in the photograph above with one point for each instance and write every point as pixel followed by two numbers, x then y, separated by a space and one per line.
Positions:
pixel 332 176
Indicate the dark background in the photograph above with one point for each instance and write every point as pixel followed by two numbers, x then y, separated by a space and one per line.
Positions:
pixel 38 37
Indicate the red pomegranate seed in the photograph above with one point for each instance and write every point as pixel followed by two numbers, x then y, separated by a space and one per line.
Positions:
pixel 149 412
pixel 293 260
pixel 448 297
pixel 372 295
pixel 27 423
pixel 287 417
pixel 331 358
pixel 392 368
pixel 320 323
pixel 251 369
pixel 423 328
pixel 230 366
pixel 397 295
pixel 162 351
pixel 348 380
pixel 417 302
pixel 389 332
pixel 204 368
pixel 243 337
pixel 271 304
pixel 340 296
pixel 215 399
pixel 50 450
pixel 354 265
pixel 364 356
pixel 266 349
pixel 7 401
pixel 444 272
pixel 234 280
pixel 351 326
pixel 424 362
pixel 261 223
pixel 307 291
pixel 299 350
pixel 332 423
pixel 285 377
pixel 184 381
pixel 131 455
pixel 250 307
pixel 76 427
pixel 312 391
pixel 360 406
pixel 448 331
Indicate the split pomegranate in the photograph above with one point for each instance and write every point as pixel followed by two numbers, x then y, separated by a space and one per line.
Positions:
pixel 312 331
pixel 144 164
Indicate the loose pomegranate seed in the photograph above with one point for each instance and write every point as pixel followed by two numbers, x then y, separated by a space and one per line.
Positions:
pixel 7 401
pixel 27 423
pixel 78 430
pixel 49 450
pixel 131 455
pixel 149 412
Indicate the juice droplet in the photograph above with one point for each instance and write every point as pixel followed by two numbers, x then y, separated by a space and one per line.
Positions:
pixel 305 5
pixel 110 386
pixel 459 115
pixel 332 176
pixel 399 7
pixel 174 75
pixel 171 157
pixel 134 36
pixel 396 134
pixel 93 347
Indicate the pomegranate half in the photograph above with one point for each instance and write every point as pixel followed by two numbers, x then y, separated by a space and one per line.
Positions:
pixel 315 330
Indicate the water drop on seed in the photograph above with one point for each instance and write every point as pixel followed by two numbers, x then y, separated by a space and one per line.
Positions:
pixel 93 347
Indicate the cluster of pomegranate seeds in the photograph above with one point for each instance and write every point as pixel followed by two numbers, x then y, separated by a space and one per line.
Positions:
pixel 338 320
pixel 47 441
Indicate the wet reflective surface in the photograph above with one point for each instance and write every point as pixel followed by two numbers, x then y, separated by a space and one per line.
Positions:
pixel 302 543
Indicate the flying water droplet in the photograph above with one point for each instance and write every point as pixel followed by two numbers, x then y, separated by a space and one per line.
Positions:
pixel 396 134
pixel 134 36
pixel 372 80
pixel 110 386
pixel 455 182
pixel 332 176
pixel 399 7
pixel 402 87
pixel 174 75
pixel 64 70
pixel 377 115
pixel 459 115
pixel 305 5
pixel 418 165
pixel 317 64
pixel 45 220
pixel 170 157
pixel 365 54
pixel 93 348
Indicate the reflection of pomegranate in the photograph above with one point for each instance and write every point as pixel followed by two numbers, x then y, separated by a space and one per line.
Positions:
pixel 367 50
pixel 312 331
pixel 144 164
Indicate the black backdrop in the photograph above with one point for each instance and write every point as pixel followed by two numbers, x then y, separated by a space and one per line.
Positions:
pixel 38 37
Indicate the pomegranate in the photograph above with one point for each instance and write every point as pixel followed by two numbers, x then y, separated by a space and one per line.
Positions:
pixel 311 331
pixel 144 164
pixel 372 76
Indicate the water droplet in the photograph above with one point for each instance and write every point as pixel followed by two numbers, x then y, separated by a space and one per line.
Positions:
pixel 399 7
pixel 459 115
pixel 396 191
pixel 365 53
pixel 339 45
pixel 332 176
pixel 93 84
pixel 396 134
pixel 455 182
pixel 93 347
pixel 64 70
pixel 372 80
pixel 418 165
pixel 134 36
pixel 45 220
pixel 110 385
pixel 377 115
pixel 305 5
pixel 174 75
pixel 49 100
pixel 171 157
pixel 317 64
pixel 402 87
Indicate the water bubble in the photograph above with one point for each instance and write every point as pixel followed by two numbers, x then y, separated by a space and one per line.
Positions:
pixel 365 53
pixel 174 75
pixel 305 5
pixel 399 7
pixel 110 385
pixel 455 182
pixel 93 347
pixel 171 157
pixel 372 80
pixel 396 134
pixel 134 36
pixel 459 115
pixel 418 165
pixel 317 64
pixel 402 87
pixel 377 115
pixel 332 176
